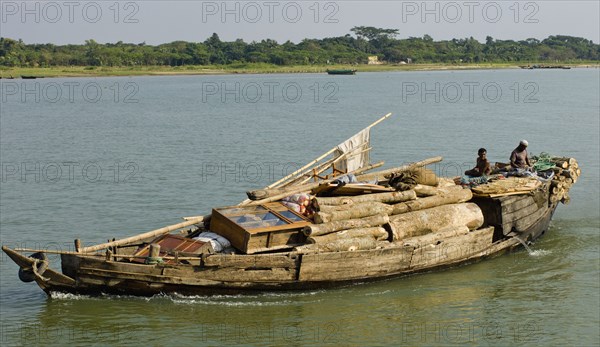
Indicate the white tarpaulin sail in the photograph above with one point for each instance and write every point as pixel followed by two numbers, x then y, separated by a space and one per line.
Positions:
pixel 353 149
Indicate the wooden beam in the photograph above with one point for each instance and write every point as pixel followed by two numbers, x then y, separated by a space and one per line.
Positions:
pixel 149 234
pixel 303 188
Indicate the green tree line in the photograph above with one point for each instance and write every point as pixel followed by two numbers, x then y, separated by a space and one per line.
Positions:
pixel 348 49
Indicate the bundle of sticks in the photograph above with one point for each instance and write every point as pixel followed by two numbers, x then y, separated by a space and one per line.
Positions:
pixel 566 172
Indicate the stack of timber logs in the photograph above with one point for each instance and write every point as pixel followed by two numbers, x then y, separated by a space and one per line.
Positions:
pixel 436 219
pixel 349 223
pixel 566 173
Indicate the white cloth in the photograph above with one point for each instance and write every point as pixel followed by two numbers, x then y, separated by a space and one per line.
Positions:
pixel 218 242
pixel 354 159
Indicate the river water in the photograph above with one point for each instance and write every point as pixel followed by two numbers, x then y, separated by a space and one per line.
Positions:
pixel 97 158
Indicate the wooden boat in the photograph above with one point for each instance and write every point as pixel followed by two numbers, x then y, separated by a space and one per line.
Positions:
pixel 290 254
pixel 25 77
pixel 341 72
pixel 532 67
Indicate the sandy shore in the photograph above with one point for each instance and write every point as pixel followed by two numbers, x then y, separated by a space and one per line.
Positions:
pixel 7 73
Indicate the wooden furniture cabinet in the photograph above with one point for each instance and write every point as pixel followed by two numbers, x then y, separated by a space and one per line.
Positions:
pixel 260 228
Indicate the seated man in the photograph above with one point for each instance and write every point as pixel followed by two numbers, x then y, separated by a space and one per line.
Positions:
pixel 519 158
pixel 482 167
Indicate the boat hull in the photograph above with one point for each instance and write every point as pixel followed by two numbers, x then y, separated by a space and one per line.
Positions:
pixel 234 274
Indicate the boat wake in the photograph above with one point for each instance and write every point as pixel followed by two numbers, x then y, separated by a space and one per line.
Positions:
pixel 531 252
pixel 379 293
pixel 263 299
pixel 75 297
pixel 68 296
pixel 539 252
pixel 229 303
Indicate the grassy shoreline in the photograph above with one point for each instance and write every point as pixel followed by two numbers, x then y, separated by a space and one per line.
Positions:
pixel 81 71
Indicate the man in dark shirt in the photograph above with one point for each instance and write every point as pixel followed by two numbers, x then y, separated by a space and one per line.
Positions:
pixel 519 158
pixel 482 166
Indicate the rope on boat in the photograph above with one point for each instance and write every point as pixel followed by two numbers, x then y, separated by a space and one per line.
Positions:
pixel 154 260
pixel 39 273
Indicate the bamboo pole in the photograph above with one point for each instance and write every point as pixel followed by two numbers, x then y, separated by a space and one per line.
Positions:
pixel 307 175
pixel 379 121
pixel 285 184
pixel 51 251
pixel 284 179
pixel 153 233
pixel 333 161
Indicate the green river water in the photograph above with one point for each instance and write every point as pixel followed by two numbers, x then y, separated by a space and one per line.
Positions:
pixel 111 157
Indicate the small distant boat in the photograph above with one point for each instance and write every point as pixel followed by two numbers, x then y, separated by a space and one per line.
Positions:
pixel 341 72
pixel 26 77
pixel 531 67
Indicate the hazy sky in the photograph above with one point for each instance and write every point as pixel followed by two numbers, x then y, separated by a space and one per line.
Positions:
pixel 162 21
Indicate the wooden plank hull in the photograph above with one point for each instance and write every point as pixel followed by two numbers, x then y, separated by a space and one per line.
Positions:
pixel 526 217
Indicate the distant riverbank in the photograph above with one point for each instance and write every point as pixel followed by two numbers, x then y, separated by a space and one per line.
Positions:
pixel 92 71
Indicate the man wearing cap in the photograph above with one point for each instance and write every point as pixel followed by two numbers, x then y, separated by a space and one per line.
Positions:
pixel 519 159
